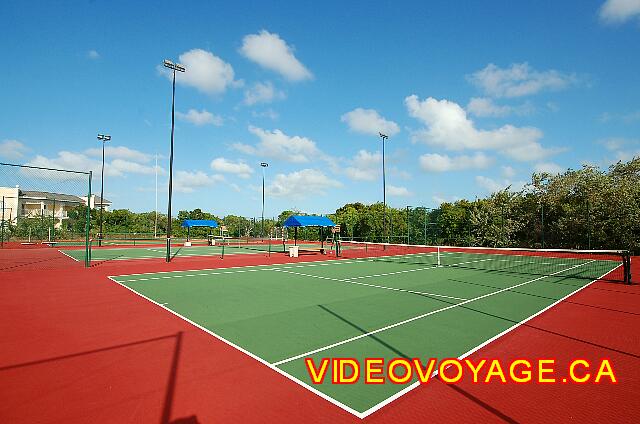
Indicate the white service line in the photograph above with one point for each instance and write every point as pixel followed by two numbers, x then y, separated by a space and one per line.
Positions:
pixel 69 256
pixel 397 324
pixel 349 281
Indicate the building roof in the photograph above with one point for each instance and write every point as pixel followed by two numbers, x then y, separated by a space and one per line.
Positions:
pixel 44 195
pixel 98 200
pixel 308 221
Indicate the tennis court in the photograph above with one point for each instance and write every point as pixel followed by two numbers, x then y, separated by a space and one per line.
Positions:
pixel 421 304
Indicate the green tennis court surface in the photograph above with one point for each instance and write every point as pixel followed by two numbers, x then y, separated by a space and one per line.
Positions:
pixel 359 308
pixel 150 252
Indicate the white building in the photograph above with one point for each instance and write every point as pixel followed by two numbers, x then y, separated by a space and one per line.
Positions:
pixel 20 203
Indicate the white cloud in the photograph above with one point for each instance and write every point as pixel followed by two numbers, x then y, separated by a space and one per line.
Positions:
pixel 548 167
pixel 486 107
pixel 188 182
pixel 272 52
pixel 434 162
pixel 75 162
pixel 200 118
pixel 492 185
pixel 125 166
pixel 365 166
pixel 128 162
pixel 519 80
pixel 119 152
pixel 398 191
pixel 448 127
pixel 12 149
pixel 269 113
pixel 92 54
pixel 262 92
pixel 276 144
pixel 508 171
pixel 204 71
pixel 621 149
pixel 301 183
pixel 369 121
pixel 239 168
pixel 618 11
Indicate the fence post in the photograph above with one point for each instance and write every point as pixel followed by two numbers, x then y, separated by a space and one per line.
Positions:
pixel 87 255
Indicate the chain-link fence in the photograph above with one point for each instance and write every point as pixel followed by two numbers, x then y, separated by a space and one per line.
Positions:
pixel 44 207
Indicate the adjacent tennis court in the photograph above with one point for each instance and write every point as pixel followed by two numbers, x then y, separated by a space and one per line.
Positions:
pixel 421 304
pixel 154 252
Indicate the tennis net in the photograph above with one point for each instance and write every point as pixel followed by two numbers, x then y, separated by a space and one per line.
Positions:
pixel 257 244
pixel 612 265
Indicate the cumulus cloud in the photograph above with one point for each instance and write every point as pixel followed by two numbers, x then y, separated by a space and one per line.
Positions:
pixel 434 162
pixel 301 183
pixel 519 80
pixel 548 167
pixel 619 11
pixel 262 92
pixel 92 54
pixel 486 107
pixel 204 71
pixel 226 166
pixel 621 149
pixel 119 152
pixel 448 127
pixel 12 149
pixel 398 191
pixel 124 161
pixel 200 118
pixel 188 182
pixel 365 166
pixel 491 185
pixel 276 144
pixel 74 162
pixel 269 113
pixel 369 121
pixel 508 171
pixel 272 52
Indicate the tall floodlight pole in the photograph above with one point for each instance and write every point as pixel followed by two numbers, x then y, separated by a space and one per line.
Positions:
pixel 104 138
pixel 384 192
pixel 179 68
pixel 263 165
pixel 155 225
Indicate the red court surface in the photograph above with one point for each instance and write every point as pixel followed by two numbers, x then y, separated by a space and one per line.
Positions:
pixel 76 347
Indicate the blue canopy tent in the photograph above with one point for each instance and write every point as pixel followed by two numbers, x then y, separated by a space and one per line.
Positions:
pixel 296 221
pixel 188 223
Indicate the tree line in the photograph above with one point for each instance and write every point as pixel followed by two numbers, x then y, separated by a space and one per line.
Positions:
pixel 588 208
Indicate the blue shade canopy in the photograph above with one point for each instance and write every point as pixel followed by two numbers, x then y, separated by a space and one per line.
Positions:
pixel 308 221
pixel 188 223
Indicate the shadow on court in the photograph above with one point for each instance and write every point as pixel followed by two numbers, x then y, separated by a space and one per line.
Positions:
pixel 169 395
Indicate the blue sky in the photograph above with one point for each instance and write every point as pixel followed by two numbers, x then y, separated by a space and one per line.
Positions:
pixel 474 95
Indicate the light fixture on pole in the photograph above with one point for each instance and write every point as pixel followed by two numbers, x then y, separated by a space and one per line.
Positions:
pixel 263 165
pixel 384 192
pixel 179 68
pixel 104 138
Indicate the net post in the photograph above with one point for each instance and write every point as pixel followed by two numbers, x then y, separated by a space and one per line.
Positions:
pixel 438 255
pixel 222 255
pixel 87 255
pixel 2 224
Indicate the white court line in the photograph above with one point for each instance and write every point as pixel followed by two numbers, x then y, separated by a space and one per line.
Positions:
pixel 348 281
pixel 69 256
pixel 335 402
pixel 480 346
pixel 251 355
pixel 397 324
